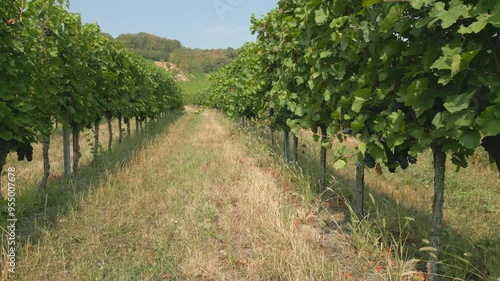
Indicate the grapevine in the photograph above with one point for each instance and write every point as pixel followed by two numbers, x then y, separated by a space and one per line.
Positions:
pixel 400 76
pixel 76 74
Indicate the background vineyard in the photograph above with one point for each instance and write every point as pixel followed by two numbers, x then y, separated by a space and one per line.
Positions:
pixel 61 71
pixel 61 78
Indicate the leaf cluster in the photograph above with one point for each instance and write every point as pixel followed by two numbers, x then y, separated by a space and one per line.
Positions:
pixel 402 76
pixel 54 68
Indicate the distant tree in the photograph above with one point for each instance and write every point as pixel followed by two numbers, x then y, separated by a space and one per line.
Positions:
pixel 156 48
pixel 150 46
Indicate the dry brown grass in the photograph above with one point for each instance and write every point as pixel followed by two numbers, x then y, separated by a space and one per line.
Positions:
pixel 254 234
pixel 30 173
pixel 199 202
pixel 472 228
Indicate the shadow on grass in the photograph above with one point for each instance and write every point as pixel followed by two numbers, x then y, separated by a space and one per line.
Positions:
pixel 39 210
pixel 393 225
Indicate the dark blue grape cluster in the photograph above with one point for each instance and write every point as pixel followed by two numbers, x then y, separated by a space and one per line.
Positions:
pixel 492 145
pixel 25 151
pixel 270 112
pixel 400 158
pixel 412 159
pixel 369 161
pixel 48 32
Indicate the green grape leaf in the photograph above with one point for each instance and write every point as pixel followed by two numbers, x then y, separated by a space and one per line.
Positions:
pixel 369 3
pixel 362 147
pixel 321 16
pixel 394 140
pixel 448 17
pixel 495 17
pixel 445 61
pixel 469 138
pixel 358 123
pixel 288 62
pixel 339 164
pixel 465 120
pixel 338 22
pixel 327 95
pixel 5 135
pixel 458 102
pixel 453 60
pixel 379 124
pixel 339 7
pixel 376 149
pixel 396 120
pixel 360 98
pixel 438 121
pixel 316 137
pixel 477 26
pixel 53 53
pixel 299 111
pixel 488 122
pixel 394 15
pixel 468 57
pixel 418 96
pixel 418 4
pixel 325 54
pixel 390 50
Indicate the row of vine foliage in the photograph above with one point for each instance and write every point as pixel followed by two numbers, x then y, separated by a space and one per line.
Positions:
pixel 401 76
pixel 56 69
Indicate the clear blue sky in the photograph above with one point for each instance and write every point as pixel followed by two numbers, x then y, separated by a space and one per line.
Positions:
pixel 204 24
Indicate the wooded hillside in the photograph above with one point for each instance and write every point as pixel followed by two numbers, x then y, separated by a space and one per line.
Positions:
pixel 156 48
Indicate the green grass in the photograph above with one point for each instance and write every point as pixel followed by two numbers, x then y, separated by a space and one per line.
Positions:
pixel 194 90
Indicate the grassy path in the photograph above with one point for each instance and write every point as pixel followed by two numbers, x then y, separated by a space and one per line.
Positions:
pixel 192 205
